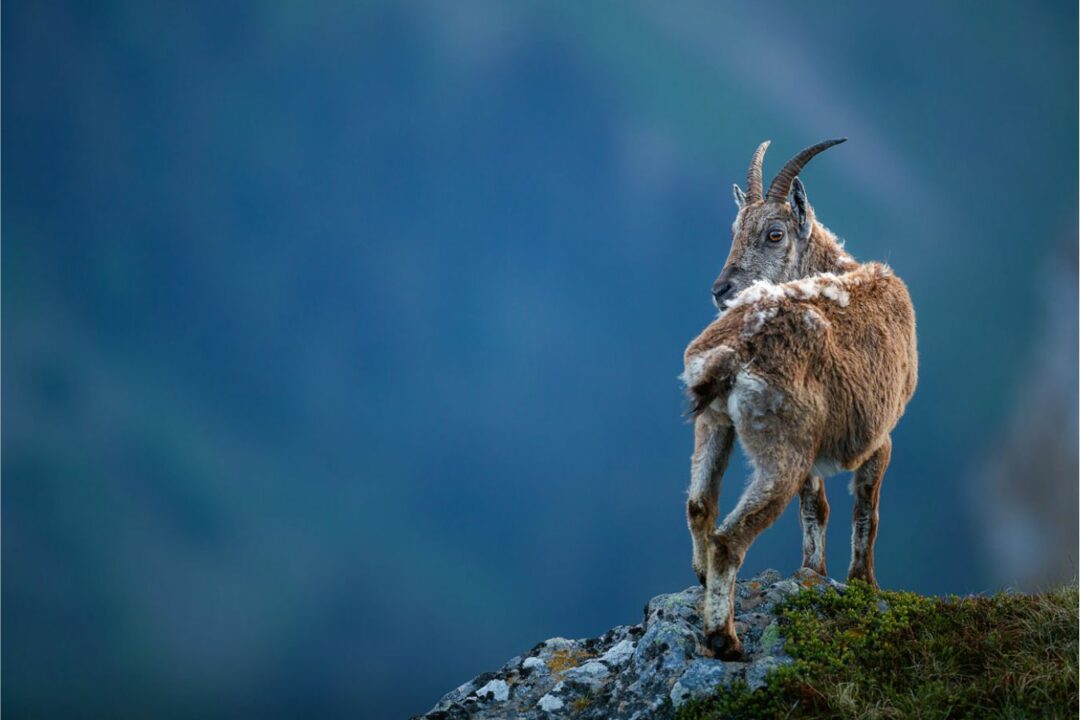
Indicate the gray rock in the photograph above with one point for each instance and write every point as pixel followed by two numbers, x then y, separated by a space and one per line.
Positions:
pixel 758 669
pixel 700 679
pixel 619 654
pixel 496 690
pixel 549 703
pixel 633 672
pixel 532 663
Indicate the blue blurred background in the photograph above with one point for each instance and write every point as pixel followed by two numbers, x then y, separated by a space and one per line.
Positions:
pixel 341 339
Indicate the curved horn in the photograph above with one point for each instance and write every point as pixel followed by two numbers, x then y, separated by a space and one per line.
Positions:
pixel 753 175
pixel 781 184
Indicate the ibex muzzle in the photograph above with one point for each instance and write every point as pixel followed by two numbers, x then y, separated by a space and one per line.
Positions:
pixel 722 288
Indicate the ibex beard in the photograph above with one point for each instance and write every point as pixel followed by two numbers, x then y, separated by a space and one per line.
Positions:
pixel 810 364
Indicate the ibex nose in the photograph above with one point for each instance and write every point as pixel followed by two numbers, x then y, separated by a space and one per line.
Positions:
pixel 720 290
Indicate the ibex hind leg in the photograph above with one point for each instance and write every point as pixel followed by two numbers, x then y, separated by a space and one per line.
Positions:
pixel 867 487
pixel 772 488
pixel 813 516
pixel 712 450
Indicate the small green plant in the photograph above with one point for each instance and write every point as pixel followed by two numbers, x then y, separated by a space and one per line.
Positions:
pixel 579 705
pixel 868 654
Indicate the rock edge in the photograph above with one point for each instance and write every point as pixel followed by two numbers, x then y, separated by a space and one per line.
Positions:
pixel 635 671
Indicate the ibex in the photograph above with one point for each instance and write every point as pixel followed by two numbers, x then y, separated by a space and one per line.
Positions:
pixel 810 363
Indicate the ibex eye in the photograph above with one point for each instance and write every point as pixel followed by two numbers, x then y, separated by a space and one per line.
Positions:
pixel 776 235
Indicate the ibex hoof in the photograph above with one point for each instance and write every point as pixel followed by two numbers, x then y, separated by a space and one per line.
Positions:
pixel 725 647
pixel 700 577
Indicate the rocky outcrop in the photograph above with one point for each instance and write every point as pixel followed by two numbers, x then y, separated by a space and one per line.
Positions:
pixel 635 671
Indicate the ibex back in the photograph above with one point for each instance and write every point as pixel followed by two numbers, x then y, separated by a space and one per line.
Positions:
pixel 810 363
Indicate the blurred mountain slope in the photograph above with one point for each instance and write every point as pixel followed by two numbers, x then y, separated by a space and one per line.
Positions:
pixel 319 314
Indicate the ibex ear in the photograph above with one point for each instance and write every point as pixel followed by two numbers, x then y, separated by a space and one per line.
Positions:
pixel 740 196
pixel 804 214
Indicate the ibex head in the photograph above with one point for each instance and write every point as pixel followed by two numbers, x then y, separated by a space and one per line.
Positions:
pixel 772 231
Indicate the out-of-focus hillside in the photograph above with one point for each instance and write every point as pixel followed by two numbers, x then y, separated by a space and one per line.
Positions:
pixel 321 314
pixel 1028 511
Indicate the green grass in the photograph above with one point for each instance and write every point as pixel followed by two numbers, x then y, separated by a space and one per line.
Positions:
pixel 869 654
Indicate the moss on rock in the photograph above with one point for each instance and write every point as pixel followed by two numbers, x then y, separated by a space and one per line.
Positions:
pixel 860 653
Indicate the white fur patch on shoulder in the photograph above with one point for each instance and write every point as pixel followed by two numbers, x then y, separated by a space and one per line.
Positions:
pixel 764 294
pixel 756 319
pixel 867 272
pixel 836 293
pixel 761 290
pixel 826 285
pixel 764 297
pixel 814 320
pixel 879 270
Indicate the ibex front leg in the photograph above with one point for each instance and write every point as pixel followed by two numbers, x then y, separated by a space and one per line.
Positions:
pixel 813 515
pixel 773 487
pixel 712 450
pixel 867 486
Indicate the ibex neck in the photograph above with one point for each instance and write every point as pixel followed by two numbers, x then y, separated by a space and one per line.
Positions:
pixel 825 254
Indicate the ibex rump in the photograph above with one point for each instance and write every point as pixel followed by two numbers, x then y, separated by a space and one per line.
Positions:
pixel 810 364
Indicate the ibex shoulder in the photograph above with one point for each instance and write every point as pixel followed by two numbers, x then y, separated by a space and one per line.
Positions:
pixel 799 315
